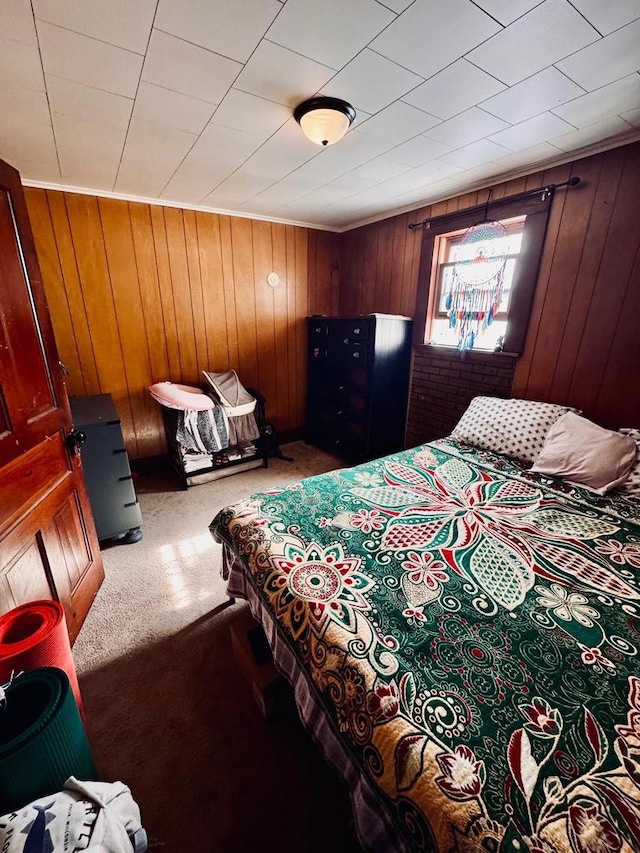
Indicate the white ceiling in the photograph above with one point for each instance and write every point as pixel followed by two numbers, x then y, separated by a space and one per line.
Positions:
pixel 190 101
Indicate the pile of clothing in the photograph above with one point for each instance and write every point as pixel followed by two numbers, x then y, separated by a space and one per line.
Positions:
pixel 212 428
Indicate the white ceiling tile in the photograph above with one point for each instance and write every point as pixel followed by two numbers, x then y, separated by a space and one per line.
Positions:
pixel 89 152
pixel 120 22
pixel 164 106
pixel 281 75
pixel 218 201
pixel 398 122
pixel 176 64
pixel 507 11
pixel 607 17
pixel 231 28
pixel 429 36
pixel 539 153
pixel 22 107
pixel 382 168
pixel 312 174
pixel 142 175
pixel 273 197
pixel 330 32
pixel 200 169
pixel 396 5
pixel 227 144
pixel 541 128
pixel 543 36
pixel 243 111
pixel 20 65
pixel 421 177
pixel 17 21
pixel 355 149
pixel 418 150
pixel 454 89
pixel 607 60
pixel 31 149
pixel 141 179
pixel 73 99
pixel 86 60
pixel 241 186
pixel 611 100
pixel 543 91
pixel 282 153
pixel 475 154
pixel 183 191
pixel 169 143
pixel 592 134
pixel 371 82
pixel 632 117
pixel 467 127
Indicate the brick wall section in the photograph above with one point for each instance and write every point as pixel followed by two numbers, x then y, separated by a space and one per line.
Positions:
pixel 444 381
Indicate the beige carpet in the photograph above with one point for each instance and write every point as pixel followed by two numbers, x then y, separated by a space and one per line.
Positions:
pixel 168 711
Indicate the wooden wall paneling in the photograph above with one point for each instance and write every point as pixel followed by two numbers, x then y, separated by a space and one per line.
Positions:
pixel 230 306
pixel 521 380
pixel 386 282
pixel 152 310
pixel 302 310
pixel 214 293
pixel 182 296
pixel 349 268
pixel 69 267
pixel 398 242
pixel 265 318
pixel 618 401
pixel 125 286
pixel 151 319
pixel 292 323
pixel 412 262
pixel 595 237
pixel 57 298
pixel 315 304
pixel 324 263
pixel 612 283
pixel 570 237
pixel 281 325
pixel 166 293
pixel 200 329
pixel 88 241
pixel 242 252
pixel 367 301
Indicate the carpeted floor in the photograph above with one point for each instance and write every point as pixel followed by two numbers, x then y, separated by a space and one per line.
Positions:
pixel 168 711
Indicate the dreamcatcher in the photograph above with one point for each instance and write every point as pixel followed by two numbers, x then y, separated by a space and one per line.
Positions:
pixel 475 292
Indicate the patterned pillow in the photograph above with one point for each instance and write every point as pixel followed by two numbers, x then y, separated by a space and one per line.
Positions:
pixel 512 427
pixel 631 487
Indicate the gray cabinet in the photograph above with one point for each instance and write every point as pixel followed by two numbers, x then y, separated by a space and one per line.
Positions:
pixel 106 468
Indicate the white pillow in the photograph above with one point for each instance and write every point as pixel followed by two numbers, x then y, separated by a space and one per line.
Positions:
pixel 583 452
pixel 513 427
pixel 631 486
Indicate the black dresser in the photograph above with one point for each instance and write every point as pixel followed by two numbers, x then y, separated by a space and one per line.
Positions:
pixel 106 468
pixel 358 383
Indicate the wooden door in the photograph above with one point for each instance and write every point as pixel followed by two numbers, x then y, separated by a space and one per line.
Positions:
pixel 48 543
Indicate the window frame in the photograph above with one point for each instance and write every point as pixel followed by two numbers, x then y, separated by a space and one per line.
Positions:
pixel 535 209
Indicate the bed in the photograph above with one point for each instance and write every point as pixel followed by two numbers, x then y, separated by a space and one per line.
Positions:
pixel 462 637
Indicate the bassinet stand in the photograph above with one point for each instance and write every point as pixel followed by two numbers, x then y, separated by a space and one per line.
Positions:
pixel 219 468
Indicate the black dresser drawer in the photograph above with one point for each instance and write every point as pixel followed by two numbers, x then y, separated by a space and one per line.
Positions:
pixel 358 377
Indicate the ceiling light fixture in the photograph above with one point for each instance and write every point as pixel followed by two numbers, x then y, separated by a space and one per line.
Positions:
pixel 324 120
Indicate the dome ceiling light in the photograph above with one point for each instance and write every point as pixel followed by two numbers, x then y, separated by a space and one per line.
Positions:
pixel 324 120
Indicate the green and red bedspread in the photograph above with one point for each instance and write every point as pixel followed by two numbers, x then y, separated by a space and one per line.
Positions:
pixel 471 631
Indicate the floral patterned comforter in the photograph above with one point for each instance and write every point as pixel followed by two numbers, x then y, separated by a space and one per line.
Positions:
pixel 472 632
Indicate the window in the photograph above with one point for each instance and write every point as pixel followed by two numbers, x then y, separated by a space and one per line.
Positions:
pixel 525 218
pixel 449 249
